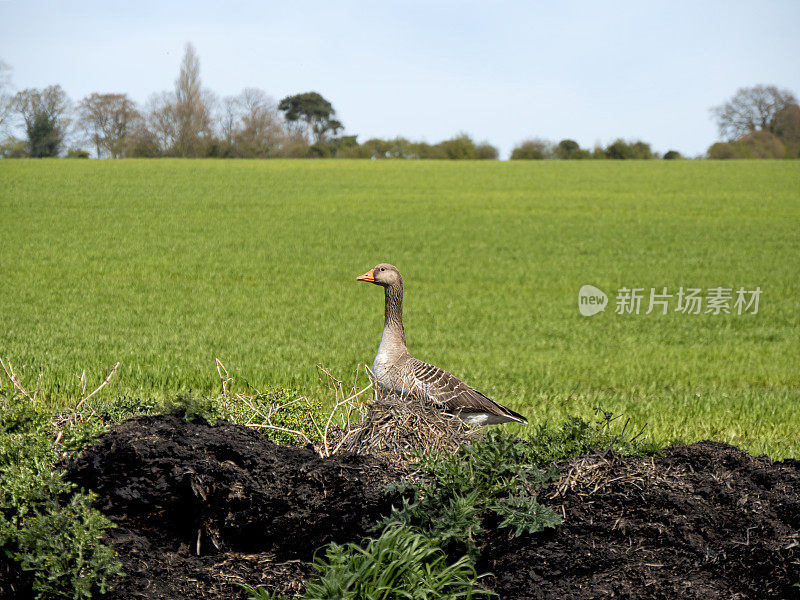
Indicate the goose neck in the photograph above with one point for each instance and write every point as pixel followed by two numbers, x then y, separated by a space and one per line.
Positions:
pixel 393 321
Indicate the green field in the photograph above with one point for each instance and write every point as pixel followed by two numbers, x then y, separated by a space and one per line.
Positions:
pixel 165 265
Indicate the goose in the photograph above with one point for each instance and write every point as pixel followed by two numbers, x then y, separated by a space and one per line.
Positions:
pixel 395 370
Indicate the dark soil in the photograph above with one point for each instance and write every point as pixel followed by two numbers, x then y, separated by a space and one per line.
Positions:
pixel 201 509
pixel 704 521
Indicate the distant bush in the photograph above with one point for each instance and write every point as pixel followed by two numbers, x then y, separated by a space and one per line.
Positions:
pixel 534 149
pixel 757 144
pixel 13 148
pixel 619 149
pixel 570 150
pixel 723 150
pixel 460 147
pixel 672 155
pixel 760 144
pixel 77 153
pixel 485 151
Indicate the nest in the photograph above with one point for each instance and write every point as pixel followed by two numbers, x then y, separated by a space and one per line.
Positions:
pixel 401 427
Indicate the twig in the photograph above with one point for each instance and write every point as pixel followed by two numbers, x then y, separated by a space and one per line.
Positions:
pixel 85 399
pixel 15 380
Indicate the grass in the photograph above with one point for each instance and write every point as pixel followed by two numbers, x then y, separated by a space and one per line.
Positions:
pixel 165 265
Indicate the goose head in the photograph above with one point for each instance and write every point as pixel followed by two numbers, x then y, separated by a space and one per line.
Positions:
pixel 383 274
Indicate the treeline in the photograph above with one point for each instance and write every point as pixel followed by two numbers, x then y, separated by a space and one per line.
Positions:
pixel 191 121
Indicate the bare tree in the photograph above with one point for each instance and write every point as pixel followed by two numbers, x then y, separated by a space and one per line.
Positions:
pixel 107 120
pixel 751 109
pixel 257 132
pixel 162 121
pixel 5 94
pixel 45 115
pixel 192 107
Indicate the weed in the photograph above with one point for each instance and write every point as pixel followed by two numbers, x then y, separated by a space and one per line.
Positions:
pixel 400 563
pixel 46 525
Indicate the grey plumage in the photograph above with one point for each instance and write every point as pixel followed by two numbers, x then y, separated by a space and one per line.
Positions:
pixel 395 370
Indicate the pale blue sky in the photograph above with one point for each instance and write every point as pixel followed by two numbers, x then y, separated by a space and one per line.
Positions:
pixel 500 71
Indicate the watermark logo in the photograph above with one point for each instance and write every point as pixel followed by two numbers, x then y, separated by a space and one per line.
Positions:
pixel 688 301
pixel 591 300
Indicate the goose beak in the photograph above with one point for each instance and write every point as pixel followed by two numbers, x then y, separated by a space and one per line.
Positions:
pixel 368 276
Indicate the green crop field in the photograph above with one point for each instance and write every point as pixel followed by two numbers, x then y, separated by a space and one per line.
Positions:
pixel 165 265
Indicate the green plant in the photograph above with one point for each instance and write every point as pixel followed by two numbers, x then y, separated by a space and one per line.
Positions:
pixel 196 408
pixel 457 491
pixel 287 410
pixel 61 545
pixel 400 563
pixel 46 525
pixel 498 475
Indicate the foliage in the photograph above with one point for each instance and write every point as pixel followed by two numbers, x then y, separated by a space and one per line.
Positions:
pixel 77 153
pixel 459 489
pixel 672 155
pixel 570 150
pixel 315 111
pixel 523 514
pixel 723 150
pixel 535 149
pixel 497 476
pixel 12 147
pixel 760 144
pixel 620 149
pixel 485 151
pixel 196 408
pixel 44 114
pixel 47 526
pixel 61 545
pixel 460 147
pixel 400 563
pixel 286 410
pixel 757 144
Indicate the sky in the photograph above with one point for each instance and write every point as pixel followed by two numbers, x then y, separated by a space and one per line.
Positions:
pixel 428 70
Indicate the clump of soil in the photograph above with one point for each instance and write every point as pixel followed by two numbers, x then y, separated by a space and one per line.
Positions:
pixel 703 521
pixel 200 508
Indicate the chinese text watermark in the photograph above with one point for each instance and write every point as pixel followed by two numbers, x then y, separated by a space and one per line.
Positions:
pixel 688 301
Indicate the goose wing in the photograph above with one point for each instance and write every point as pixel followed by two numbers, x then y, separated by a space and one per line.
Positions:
pixel 450 393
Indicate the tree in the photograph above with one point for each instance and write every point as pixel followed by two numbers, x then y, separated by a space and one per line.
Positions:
pixel 192 113
pixel 5 94
pixel 460 147
pixel 620 149
pixel 533 149
pixel 570 150
pixel 314 111
pixel 485 151
pixel 161 125
pixel 250 125
pixel 45 116
pixel 751 109
pixel 787 128
pixel 107 120
pixel 723 150
pixel 672 155
pixel 757 144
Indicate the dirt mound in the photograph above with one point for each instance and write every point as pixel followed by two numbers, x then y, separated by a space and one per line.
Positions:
pixel 703 521
pixel 215 505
